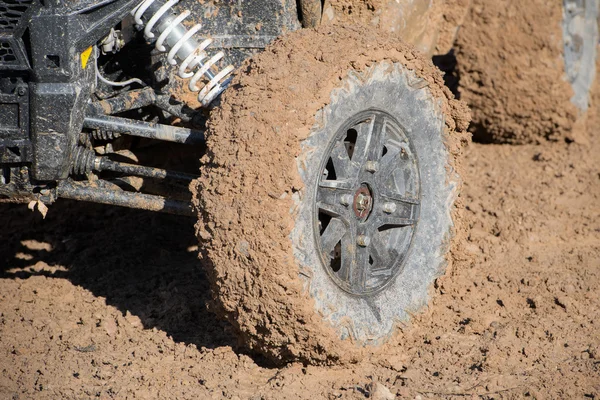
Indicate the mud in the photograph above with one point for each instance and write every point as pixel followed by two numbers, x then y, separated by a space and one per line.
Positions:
pixel 429 25
pixel 453 14
pixel 512 74
pixel 251 177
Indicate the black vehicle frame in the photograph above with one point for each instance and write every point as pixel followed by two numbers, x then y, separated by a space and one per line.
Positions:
pixel 56 106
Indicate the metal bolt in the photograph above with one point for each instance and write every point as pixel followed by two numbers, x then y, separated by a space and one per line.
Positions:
pixel 371 166
pixel 362 202
pixel 389 208
pixel 21 91
pixel 346 200
pixel 363 241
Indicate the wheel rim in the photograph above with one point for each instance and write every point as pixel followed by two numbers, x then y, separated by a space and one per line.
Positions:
pixel 367 203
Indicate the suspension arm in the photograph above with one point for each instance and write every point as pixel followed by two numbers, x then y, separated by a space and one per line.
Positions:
pixel 147 130
pixel 106 164
pixel 139 98
pixel 130 100
pixel 85 192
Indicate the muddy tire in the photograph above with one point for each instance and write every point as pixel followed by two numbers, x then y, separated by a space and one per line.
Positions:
pixel 326 207
pixel 526 68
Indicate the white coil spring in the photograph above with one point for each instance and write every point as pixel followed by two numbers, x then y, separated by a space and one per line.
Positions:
pixel 196 59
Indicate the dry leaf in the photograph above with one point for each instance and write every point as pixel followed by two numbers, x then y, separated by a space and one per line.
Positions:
pixel 42 208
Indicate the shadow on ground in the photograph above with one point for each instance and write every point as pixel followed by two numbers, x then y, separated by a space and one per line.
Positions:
pixel 141 262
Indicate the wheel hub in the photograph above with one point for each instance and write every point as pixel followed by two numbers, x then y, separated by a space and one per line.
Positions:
pixel 367 203
pixel 363 202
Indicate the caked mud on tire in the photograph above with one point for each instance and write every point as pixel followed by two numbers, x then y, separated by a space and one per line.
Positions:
pixel 311 103
pixel 526 67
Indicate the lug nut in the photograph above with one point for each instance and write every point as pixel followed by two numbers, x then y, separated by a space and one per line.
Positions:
pixel 371 166
pixel 363 241
pixel 362 202
pixel 346 200
pixel 389 208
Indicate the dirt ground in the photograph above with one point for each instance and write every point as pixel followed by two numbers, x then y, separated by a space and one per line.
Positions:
pixel 100 302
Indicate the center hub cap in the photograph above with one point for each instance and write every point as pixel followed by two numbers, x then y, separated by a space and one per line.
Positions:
pixel 363 202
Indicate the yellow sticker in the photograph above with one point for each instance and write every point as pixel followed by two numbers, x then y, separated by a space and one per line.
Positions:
pixel 85 56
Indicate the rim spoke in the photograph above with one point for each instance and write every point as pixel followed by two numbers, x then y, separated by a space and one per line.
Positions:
pixel 360 269
pixel 385 197
pixel 390 162
pixel 341 160
pixel 396 222
pixel 334 201
pixel 397 208
pixel 379 251
pixel 395 177
pixel 332 195
pixel 344 185
pixel 332 209
pixel 377 138
pixel 368 133
pixel 332 235
pixel 348 255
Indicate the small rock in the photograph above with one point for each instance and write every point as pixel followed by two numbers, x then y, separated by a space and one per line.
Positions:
pixel 380 392
pixel 110 326
pixel 243 247
pixel 133 320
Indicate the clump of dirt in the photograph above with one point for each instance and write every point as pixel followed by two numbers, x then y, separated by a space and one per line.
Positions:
pixel 244 196
pixel 453 14
pixel 429 25
pixel 512 72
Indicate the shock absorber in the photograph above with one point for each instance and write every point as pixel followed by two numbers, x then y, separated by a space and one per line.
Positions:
pixel 166 28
